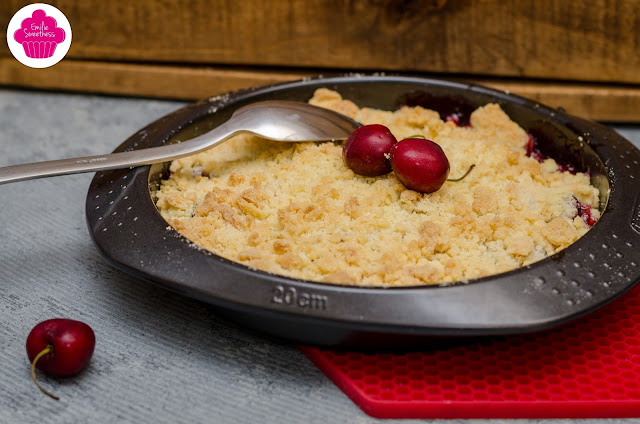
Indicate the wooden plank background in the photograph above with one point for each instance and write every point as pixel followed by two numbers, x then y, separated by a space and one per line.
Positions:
pixel 583 56
pixel 590 40
pixel 603 102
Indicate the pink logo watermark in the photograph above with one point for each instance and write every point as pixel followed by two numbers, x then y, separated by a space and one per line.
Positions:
pixel 39 35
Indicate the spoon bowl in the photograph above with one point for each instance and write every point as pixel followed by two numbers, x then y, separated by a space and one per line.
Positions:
pixel 273 119
pixel 293 122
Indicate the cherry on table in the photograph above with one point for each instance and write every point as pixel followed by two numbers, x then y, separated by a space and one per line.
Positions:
pixel 59 347
pixel 365 151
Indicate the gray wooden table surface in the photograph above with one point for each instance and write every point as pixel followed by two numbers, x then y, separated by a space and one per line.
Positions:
pixel 160 357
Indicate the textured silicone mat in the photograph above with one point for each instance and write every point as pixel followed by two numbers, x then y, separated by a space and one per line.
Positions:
pixel 586 369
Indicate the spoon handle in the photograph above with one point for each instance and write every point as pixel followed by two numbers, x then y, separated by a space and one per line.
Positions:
pixel 132 158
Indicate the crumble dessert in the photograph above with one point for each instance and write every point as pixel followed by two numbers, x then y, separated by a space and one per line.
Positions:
pixel 297 210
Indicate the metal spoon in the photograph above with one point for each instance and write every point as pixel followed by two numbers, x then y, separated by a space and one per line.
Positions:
pixel 273 120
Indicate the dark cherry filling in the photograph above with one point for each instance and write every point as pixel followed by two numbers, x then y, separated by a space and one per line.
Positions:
pixel 458 119
pixel 586 214
pixel 534 152
pixel 450 108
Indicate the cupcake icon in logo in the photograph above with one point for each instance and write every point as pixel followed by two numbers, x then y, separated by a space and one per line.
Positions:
pixel 39 35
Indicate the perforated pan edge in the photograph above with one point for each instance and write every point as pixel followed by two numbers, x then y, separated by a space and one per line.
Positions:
pixel 130 233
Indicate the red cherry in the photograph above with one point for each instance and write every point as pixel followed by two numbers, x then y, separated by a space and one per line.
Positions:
pixel 60 347
pixel 365 150
pixel 419 164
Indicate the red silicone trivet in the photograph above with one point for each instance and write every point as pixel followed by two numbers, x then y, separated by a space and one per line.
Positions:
pixel 586 369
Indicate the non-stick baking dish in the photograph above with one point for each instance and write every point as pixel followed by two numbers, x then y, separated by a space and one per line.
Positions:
pixel 602 265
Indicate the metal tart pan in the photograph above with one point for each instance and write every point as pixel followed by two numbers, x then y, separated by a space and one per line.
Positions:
pixel 605 263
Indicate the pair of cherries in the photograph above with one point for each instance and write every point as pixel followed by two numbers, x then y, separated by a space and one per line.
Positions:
pixel 419 164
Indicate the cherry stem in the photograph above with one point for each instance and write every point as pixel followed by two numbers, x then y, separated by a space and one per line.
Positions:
pixel 417 136
pixel 453 180
pixel 47 350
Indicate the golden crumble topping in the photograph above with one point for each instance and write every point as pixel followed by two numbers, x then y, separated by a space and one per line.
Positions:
pixel 296 210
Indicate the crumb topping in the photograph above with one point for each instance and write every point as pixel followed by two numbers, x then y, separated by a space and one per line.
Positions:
pixel 295 209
